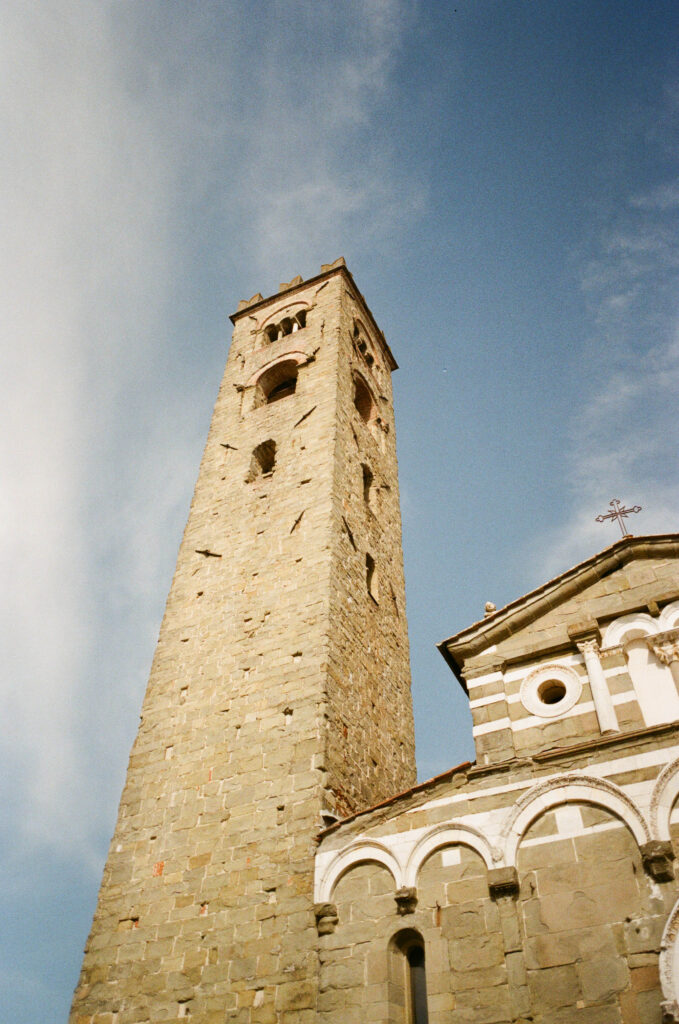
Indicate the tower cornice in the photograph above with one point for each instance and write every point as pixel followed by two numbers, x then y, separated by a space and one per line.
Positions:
pixel 328 270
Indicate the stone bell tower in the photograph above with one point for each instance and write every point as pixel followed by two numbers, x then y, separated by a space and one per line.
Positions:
pixel 279 695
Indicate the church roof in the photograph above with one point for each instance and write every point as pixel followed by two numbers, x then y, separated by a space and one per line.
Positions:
pixel 505 622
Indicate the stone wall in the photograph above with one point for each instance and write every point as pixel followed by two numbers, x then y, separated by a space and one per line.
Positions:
pixel 540 891
pixel 597 624
pixel 206 905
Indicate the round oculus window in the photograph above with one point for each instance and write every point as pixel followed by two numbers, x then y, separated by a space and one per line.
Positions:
pixel 550 691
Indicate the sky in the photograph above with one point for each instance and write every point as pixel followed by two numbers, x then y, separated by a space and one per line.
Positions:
pixel 502 179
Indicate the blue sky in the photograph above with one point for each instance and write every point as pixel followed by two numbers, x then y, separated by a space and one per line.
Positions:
pixel 502 179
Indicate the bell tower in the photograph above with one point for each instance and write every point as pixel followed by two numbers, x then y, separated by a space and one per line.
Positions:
pixel 279 695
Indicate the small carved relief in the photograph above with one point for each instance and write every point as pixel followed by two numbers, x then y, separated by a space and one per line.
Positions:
pixel 406 900
pixel 665 646
pixel 657 856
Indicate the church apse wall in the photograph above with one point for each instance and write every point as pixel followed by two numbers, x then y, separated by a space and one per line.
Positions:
pixel 539 886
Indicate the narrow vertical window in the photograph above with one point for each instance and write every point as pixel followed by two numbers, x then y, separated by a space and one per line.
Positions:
pixel 367 483
pixel 407 979
pixel 417 984
pixel 371 579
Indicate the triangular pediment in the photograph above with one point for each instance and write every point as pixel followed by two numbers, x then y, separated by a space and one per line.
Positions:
pixel 632 575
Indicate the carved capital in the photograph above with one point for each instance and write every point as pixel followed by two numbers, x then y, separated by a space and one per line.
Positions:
pixel 588 647
pixel 503 882
pixel 665 650
pixel 657 856
pixel 326 917
pixel 406 900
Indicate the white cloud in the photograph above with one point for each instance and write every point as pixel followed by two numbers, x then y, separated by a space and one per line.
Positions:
pixel 623 441
pixel 662 197
pixel 84 214
pixel 321 176
pixel 111 142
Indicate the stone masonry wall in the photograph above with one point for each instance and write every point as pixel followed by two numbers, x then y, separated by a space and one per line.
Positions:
pixel 504 727
pixel 371 746
pixel 205 909
pixel 565 928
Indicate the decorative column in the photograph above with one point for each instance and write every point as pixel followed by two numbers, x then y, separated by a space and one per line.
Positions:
pixel 665 646
pixel 608 720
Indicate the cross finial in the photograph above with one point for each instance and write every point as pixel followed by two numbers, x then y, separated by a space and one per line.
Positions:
pixel 619 513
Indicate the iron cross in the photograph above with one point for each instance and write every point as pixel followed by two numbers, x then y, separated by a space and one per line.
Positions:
pixel 619 513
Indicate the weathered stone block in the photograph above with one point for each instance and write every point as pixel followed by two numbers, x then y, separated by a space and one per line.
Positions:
pixel 458 922
pixel 601 979
pixel 296 996
pixel 554 988
pixel 484 951
pixel 643 934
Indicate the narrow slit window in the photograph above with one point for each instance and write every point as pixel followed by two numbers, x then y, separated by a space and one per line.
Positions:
pixel 367 483
pixel 371 578
pixel 417 984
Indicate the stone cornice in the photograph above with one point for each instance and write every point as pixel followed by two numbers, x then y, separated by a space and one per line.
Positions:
pixel 328 270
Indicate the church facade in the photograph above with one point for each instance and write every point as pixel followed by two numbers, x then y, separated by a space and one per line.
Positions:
pixel 274 860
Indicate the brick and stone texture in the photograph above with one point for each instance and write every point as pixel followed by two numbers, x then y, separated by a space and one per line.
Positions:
pixel 560 923
pixel 535 885
pixel 541 887
pixel 604 627
pixel 279 691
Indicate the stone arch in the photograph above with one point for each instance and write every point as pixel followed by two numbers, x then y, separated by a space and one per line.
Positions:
pixel 669 617
pixel 452 834
pixel 276 371
pixel 296 313
pixel 668 965
pixel 665 793
pixel 358 328
pixel 639 623
pixel 360 852
pixel 564 789
pixel 653 681
pixel 285 357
